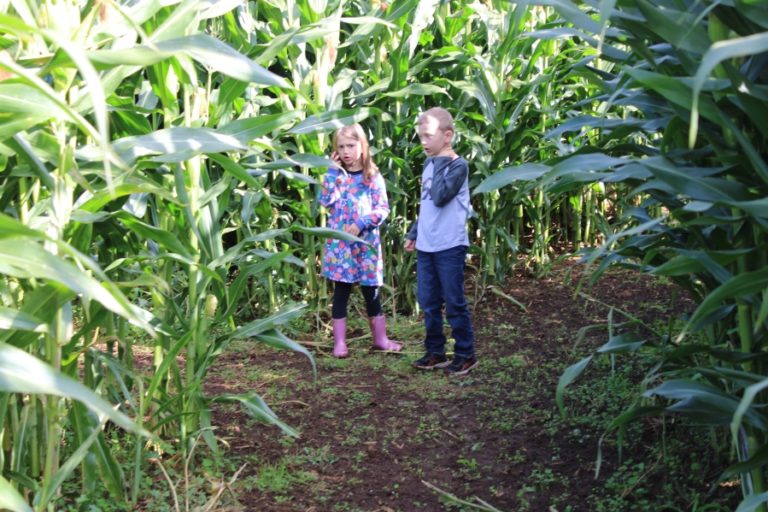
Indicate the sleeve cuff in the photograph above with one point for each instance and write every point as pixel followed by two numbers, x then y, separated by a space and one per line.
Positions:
pixel 360 224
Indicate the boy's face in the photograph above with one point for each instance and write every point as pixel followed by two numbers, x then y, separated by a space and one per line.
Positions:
pixel 433 138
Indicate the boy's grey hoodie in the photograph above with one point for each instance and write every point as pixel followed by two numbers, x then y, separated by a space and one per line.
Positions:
pixel 444 207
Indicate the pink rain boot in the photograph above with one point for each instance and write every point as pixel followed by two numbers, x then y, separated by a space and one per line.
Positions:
pixel 340 338
pixel 379 332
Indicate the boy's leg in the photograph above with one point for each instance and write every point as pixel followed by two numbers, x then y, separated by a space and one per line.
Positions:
pixel 450 270
pixel 430 296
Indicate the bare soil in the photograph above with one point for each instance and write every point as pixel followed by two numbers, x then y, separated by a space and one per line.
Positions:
pixel 378 435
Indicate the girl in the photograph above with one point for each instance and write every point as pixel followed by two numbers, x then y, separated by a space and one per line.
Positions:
pixel 355 194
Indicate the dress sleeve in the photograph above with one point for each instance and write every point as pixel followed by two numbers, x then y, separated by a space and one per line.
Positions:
pixel 332 187
pixel 379 205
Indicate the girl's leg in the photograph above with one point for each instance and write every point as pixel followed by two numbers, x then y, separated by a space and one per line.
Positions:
pixel 372 300
pixel 341 293
pixel 376 320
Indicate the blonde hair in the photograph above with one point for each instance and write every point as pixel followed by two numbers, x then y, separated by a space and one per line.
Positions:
pixel 444 118
pixel 356 132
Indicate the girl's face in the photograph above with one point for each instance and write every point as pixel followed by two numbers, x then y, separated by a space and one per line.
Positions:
pixel 350 150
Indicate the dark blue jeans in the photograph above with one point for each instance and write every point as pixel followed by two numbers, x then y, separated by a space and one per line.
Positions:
pixel 440 281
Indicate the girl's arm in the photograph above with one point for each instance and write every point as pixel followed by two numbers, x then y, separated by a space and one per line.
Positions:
pixel 332 187
pixel 379 205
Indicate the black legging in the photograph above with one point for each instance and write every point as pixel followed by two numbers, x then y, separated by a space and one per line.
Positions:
pixel 341 292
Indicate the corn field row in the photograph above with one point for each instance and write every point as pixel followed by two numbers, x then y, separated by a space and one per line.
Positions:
pixel 159 164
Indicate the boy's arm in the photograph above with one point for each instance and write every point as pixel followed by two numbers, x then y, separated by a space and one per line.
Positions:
pixel 448 180
pixel 411 235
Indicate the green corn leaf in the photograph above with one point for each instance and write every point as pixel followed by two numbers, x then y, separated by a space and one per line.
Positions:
pixel 169 145
pixel 627 342
pixel 165 239
pixel 367 27
pixel 676 91
pixel 219 8
pixel 16 98
pixel 262 325
pixel 180 342
pixel 721 50
pixel 258 408
pixel 41 303
pixel 101 462
pixel 756 207
pixel 745 407
pixel 13 125
pixel 250 128
pixel 742 285
pixel 10 499
pixel 569 375
pixel 235 170
pixel 690 262
pixel 279 340
pixel 704 402
pixel 422 18
pixel 417 90
pixel 35 83
pixel 677 27
pixel 328 233
pixel 22 373
pixel 333 120
pixel 571 12
pixel 297 160
pixel 205 49
pixel 686 182
pixel 634 413
pixel 280 168
pixel 69 467
pixel 24 258
pixel 292 37
pixel 753 502
pixel 757 460
pixel 508 175
pixel 97 201
pixel 11 319
pixel 10 227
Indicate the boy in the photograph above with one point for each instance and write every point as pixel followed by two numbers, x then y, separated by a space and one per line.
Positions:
pixel 440 238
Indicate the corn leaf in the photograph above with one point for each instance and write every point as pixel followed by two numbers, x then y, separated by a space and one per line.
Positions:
pixel 206 50
pixel 566 378
pixel 22 373
pixel 333 120
pixel 258 408
pixel 10 499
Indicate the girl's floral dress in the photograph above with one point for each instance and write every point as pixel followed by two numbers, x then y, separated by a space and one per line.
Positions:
pixel 350 200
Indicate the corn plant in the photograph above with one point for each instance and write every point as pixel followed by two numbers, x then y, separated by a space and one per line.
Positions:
pixel 678 122
pixel 116 191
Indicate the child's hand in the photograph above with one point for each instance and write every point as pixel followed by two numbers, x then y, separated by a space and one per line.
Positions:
pixel 352 229
pixel 410 245
pixel 336 158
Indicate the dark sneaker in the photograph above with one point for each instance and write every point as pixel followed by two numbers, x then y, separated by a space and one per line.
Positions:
pixel 461 365
pixel 431 361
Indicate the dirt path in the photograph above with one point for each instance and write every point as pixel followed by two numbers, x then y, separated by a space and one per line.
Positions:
pixel 377 435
